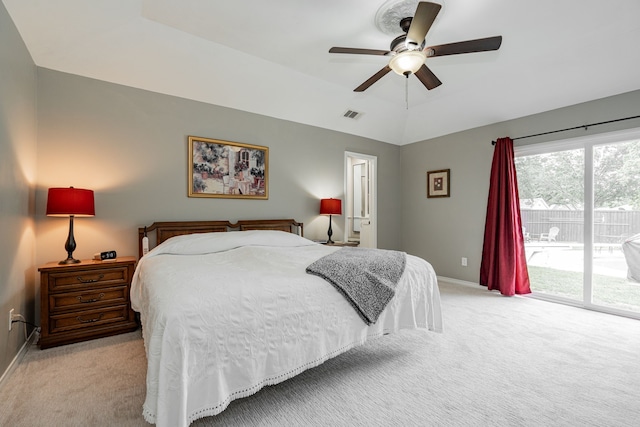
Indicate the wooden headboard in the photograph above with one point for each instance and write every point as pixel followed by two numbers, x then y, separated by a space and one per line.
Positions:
pixel 165 230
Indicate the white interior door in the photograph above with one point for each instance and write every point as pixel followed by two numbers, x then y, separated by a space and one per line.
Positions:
pixel 365 234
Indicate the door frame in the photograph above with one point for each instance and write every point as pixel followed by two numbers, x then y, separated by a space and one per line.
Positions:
pixel 373 193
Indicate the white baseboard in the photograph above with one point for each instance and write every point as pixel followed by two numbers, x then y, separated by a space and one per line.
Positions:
pixel 19 356
pixel 474 285
pixel 457 281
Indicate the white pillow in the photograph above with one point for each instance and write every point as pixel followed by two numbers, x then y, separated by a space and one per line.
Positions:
pixel 204 243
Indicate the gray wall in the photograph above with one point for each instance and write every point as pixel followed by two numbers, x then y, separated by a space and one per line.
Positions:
pixel 130 147
pixel 444 230
pixel 17 185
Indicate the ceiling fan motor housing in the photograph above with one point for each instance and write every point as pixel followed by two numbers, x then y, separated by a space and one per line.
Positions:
pixel 399 44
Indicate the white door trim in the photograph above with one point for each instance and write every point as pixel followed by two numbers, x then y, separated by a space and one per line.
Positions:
pixel 373 195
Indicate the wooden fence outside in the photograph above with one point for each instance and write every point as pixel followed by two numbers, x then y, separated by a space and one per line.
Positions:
pixel 610 226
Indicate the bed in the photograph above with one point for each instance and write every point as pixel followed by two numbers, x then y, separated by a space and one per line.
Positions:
pixel 228 308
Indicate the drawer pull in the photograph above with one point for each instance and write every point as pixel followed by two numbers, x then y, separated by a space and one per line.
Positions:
pixel 81 280
pixel 81 320
pixel 91 299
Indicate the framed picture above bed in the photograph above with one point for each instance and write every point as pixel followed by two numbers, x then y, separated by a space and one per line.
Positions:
pixel 227 169
pixel 438 183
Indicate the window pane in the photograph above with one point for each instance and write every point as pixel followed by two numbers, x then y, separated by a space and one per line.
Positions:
pixel 616 170
pixel 551 190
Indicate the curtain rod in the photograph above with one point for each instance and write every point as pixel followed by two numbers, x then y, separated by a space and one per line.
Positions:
pixel 573 128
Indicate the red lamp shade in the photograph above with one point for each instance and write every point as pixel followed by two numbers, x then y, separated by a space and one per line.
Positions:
pixel 330 207
pixel 70 201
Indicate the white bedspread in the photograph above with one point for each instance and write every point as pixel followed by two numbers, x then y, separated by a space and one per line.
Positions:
pixel 225 314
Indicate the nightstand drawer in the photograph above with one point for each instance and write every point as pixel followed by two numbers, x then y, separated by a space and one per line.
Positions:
pixel 87 318
pixel 84 300
pixel 97 277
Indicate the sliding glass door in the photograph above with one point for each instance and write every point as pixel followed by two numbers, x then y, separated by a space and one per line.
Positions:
pixel 580 205
pixel 616 220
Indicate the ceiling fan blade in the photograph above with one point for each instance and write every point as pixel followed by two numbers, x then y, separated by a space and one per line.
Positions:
pixel 356 51
pixel 422 20
pixel 377 76
pixel 469 46
pixel 428 79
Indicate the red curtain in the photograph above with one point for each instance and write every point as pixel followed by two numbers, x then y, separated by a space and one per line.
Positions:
pixel 504 264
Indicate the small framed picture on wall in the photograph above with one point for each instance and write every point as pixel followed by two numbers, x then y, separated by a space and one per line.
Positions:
pixel 438 183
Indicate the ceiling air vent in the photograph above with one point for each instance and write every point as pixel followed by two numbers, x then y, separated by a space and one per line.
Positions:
pixel 350 114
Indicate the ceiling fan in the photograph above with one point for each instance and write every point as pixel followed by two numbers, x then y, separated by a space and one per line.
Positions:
pixel 408 52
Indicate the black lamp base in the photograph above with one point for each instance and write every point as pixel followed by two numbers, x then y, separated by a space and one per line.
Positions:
pixel 329 232
pixel 70 246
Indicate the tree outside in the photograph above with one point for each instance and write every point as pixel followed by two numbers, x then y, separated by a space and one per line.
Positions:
pixel 558 178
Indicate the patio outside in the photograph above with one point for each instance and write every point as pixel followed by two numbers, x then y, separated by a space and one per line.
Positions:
pixel 557 269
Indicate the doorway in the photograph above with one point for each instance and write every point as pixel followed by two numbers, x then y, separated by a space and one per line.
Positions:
pixel 360 204
pixel 580 206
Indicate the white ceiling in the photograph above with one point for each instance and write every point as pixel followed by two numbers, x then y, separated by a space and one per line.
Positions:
pixel 271 57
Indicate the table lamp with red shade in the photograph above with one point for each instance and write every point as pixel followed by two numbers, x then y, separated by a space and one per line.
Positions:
pixel 70 202
pixel 330 207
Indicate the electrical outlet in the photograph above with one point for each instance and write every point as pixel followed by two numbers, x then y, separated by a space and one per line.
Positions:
pixel 10 318
pixel 464 261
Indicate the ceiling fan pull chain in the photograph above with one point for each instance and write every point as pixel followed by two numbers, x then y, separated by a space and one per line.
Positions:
pixel 406 90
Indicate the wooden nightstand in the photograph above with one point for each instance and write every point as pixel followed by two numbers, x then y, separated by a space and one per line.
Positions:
pixel 83 301
pixel 352 244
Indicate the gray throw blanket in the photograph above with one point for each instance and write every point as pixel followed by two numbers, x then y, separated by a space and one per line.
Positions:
pixel 366 277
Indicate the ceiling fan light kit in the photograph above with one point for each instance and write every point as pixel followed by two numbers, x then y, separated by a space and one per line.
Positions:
pixel 407 62
pixel 407 51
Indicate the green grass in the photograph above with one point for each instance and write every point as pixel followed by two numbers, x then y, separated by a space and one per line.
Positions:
pixel 607 291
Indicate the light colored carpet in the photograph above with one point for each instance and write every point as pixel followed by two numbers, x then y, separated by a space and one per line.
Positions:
pixel 500 362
